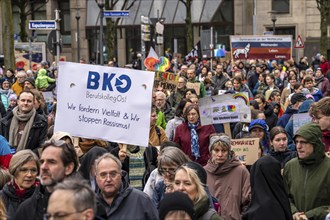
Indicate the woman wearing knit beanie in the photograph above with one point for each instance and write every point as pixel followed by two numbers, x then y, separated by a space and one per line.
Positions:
pixel 228 180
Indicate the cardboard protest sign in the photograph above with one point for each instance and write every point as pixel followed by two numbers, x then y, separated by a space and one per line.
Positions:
pixel 246 149
pixel 300 120
pixel 107 103
pixel 225 108
pixel 195 86
pixel 48 96
pixel 166 80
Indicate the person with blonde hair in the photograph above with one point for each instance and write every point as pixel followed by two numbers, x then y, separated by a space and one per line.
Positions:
pixel 5 177
pixel 190 178
pixel 24 167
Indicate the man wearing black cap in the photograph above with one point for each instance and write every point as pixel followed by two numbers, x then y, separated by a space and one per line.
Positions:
pixel 296 100
pixel 29 84
pixel 253 79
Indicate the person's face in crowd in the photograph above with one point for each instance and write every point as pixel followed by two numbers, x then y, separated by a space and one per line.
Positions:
pixel 309 85
pixel 194 99
pixel 20 78
pixel 229 85
pixel 183 183
pixel 209 75
pixel 218 70
pixel 204 71
pixel 108 177
pixel 318 73
pixel 261 104
pixel 269 81
pixel 277 73
pixel 28 85
pixel 9 74
pixel 299 89
pixel 292 81
pixel 153 118
pixel 276 109
pixel 190 74
pixel 277 97
pixel 192 116
pixel 237 85
pixel 168 171
pixel 258 133
pixel 177 214
pixel 25 102
pixel 188 94
pixel 160 102
pixel 280 142
pixel 184 69
pixel 26 175
pixel 52 169
pixel 304 148
pixel 181 83
pixel 258 69
pixel 261 116
pixel 122 151
pixel 61 206
pixel 323 121
pixel 56 74
pixel 13 102
pixel 219 154
pixel 261 78
pixel 5 85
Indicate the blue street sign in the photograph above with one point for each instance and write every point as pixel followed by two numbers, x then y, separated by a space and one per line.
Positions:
pixel 112 14
pixel 42 25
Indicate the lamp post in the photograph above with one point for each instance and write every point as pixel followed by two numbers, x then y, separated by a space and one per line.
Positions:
pixel 274 20
pixel 78 33
pixel 100 3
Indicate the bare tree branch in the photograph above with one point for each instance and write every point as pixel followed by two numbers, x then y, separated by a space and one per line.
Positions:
pixel 185 3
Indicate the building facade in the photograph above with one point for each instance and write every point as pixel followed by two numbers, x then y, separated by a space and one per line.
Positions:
pixel 227 17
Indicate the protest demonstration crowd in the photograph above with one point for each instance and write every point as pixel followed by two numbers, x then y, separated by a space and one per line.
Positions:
pixel 189 170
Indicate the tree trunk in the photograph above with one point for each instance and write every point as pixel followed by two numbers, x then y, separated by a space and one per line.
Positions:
pixel 189 27
pixel 324 11
pixel 110 38
pixel 7 34
pixel 23 35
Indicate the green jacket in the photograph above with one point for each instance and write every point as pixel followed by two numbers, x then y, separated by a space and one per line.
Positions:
pixel 161 121
pixel 202 207
pixel 202 90
pixel 42 80
pixel 308 179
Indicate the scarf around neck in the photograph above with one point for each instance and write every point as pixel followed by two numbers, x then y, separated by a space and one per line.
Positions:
pixel 13 130
pixel 194 139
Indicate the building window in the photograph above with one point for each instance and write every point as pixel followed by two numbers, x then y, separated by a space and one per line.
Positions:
pixel 65 23
pixel 281 6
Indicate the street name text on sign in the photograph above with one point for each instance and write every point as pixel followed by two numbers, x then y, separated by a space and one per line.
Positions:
pixel 113 14
pixel 42 25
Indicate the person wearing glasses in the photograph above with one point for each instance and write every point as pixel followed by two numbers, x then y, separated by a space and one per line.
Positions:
pixel 308 176
pixel 117 199
pixel 320 113
pixel 71 199
pixel 24 168
pixel 58 161
pixel 18 86
pixel 169 160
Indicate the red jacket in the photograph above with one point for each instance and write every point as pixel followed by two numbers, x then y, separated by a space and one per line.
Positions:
pixel 325 66
pixel 326 140
pixel 182 137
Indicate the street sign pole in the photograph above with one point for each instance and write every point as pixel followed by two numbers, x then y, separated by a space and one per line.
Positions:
pixel 57 19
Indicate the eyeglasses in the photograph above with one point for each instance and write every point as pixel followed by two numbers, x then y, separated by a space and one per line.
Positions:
pixel 55 216
pixel 112 175
pixel 26 171
pixel 302 143
pixel 317 119
pixel 170 171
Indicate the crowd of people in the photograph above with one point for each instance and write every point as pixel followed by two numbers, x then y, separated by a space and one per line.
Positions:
pixel 189 170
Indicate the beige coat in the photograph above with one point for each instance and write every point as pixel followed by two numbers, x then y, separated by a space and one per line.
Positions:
pixel 230 184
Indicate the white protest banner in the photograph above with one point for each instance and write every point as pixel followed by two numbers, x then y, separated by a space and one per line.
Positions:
pixel 246 149
pixel 225 108
pixel 299 120
pixel 106 103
